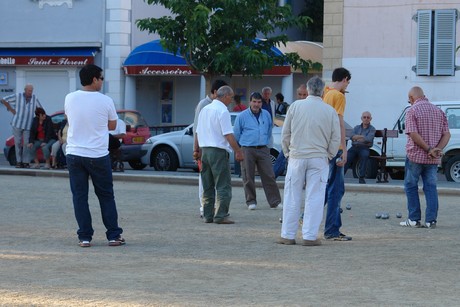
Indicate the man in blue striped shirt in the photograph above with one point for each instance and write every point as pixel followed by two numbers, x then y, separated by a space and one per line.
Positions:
pixel 23 114
pixel 253 131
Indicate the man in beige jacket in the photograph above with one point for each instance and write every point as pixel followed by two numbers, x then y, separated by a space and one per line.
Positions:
pixel 310 137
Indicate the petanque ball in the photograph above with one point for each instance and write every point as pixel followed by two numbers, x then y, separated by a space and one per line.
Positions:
pixel 378 215
pixel 341 210
pixel 399 215
pixel 348 207
pixel 385 216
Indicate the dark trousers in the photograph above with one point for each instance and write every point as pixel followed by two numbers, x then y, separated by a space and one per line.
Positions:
pixel 363 153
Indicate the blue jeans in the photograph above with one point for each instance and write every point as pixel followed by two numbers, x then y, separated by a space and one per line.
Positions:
pixel 363 154
pixel 334 193
pixel 413 171
pixel 280 164
pixel 46 150
pixel 100 170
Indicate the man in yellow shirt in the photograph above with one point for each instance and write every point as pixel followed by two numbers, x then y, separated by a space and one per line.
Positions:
pixel 334 95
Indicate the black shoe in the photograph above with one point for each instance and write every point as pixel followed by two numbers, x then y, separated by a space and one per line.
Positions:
pixel 361 180
pixel 340 237
pixel 225 221
pixel 117 242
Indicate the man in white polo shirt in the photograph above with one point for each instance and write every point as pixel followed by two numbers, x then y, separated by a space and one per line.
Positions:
pixel 213 144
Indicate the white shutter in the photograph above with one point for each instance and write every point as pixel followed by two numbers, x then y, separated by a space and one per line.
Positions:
pixel 423 59
pixel 444 42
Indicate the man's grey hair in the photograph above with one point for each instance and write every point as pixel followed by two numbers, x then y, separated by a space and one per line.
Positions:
pixel 224 91
pixel 315 86
pixel 267 88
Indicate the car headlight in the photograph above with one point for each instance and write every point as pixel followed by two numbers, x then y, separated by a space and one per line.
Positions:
pixel 149 141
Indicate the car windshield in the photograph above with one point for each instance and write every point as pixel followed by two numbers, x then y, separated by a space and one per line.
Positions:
pixel 132 118
pixel 58 118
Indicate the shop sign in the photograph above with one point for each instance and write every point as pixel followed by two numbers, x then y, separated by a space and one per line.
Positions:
pixel 45 60
pixel 160 70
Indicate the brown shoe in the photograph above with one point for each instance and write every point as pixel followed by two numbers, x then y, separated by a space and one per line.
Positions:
pixel 285 241
pixel 316 242
pixel 224 221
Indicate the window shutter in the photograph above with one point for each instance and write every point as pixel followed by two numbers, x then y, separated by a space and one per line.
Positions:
pixel 424 21
pixel 444 42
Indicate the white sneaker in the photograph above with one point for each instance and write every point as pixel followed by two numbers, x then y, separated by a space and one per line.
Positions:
pixel 252 207
pixel 430 224
pixel 280 206
pixel 201 212
pixel 410 223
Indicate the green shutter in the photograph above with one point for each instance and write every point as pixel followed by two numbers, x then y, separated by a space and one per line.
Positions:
pixel 444 42
pixel 423 56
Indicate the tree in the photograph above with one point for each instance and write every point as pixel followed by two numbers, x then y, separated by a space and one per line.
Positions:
pixel 218 37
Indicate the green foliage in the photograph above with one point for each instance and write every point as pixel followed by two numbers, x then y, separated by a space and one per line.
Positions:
pixel 217 37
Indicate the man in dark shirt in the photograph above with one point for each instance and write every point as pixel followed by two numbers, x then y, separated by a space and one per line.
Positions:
pixel 362 139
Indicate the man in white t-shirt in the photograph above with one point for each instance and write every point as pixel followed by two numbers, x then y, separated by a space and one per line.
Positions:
pixel 115 139
pixel 213 144
pixel 91 115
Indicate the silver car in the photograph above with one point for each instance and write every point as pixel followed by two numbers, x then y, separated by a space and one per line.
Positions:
pixel 173 150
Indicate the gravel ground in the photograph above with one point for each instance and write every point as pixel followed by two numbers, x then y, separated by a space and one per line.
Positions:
pixel 172 258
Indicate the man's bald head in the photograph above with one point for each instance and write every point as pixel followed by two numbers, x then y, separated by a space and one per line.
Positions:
pixel 415 93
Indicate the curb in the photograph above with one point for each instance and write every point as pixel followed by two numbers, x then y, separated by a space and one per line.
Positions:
pixel 236 182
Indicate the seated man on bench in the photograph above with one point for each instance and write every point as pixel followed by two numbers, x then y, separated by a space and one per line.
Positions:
pixel 362 139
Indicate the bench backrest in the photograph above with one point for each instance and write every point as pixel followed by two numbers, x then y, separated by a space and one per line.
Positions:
pixel 389 133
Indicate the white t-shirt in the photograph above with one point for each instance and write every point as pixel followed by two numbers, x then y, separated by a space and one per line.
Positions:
pixel 119 129
pixel 88 114
pixel 214 122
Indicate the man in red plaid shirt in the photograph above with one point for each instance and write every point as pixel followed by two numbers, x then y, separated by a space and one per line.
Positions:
pixel 427 134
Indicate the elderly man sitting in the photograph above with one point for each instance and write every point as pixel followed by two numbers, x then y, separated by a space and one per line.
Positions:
pixel 362 139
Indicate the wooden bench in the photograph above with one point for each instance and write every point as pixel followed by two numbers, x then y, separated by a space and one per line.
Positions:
pixel 382 172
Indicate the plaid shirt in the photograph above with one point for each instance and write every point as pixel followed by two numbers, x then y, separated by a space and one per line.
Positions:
pixel 430 123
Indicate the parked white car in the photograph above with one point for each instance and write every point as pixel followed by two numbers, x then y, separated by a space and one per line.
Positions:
pixel 396 147
pixel 173 150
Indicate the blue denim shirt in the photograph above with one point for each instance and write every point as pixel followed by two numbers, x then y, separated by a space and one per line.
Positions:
pixel 250 131
pixel 368 134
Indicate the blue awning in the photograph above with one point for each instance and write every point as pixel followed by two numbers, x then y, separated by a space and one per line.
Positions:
pixel 153 53
pixel 152 59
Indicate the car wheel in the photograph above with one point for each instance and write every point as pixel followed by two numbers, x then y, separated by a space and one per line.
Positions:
pixel 396 174
pixel 136 164
pixel 164 159
pixel 371 170
pixel 452 170
pixel 12 156
pixel 273 155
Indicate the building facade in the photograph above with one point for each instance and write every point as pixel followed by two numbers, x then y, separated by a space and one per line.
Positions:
pixel 46 42
pixel 385 45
